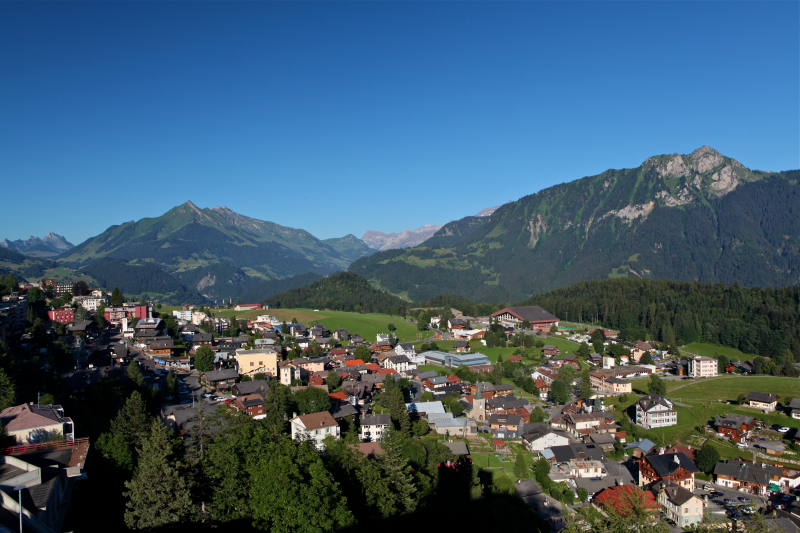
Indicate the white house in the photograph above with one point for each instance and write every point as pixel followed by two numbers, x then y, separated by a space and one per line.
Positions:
pixel 373 426
pixel 399 363
pixel 542 437
pixel 702 367
pixel 680 505
pixel 653 411
pixel 407 349
pixel 315 427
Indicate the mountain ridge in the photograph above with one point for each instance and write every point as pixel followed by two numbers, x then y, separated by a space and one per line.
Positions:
pixel 52 242
pixel 675 216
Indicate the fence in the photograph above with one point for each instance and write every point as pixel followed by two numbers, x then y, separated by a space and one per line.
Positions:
pixel 55 445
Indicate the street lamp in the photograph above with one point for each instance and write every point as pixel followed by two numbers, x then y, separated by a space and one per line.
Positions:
pixel 19 488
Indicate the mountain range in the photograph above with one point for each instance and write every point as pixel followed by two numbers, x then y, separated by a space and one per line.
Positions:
pixel 51 244
pixel 378 240
pixel 697 217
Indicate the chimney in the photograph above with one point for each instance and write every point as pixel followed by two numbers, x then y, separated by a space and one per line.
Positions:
pixel 321 423
pixel 661 451
pixel 294 415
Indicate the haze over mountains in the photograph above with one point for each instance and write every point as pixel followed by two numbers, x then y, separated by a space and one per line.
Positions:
pixel 702 216
pixel 51 242
pixel 408 238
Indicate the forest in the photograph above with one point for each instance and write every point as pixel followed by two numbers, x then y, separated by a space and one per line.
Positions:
pixel 137 279
pixel 753 320
pixel 343 291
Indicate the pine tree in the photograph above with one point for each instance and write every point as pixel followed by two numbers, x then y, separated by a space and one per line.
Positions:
pixel 128 431
pixel 135 374
pixel 159 493
pixel 586 390
pixel 398 496
pixel 117 298
pixel 7 389
pixel 521 467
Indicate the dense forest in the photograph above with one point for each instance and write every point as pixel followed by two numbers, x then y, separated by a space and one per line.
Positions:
pixel 756 321
pixel 259 290
pixel 22 265
pixel 343 291
pixel 136 279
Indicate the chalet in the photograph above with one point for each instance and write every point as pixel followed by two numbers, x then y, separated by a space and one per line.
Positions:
pixel 318 331
pixel 31 423
pixel 356 340
pixel 407 349
pixel 548 375
pixel 461 346
pixel 730 368
pixel 341 334
pixel 607 382
pixel 259 386
pixel 549 350
pixel 680 505
pixel 436 382
pixel 251 404
pixel 221 379
pixel 736 427
pixel 544 389
pixel 514 359
pixel 571 360
pixel 762 400
pixel 509 425
pixel 315 428
pixel 794 408
pixel 399 363
pixel 542 437
pixel 674 467
pixel 456 323
pixel 535 315
pixel 162 347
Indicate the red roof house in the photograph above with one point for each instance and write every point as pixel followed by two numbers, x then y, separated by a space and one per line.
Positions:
pixel 622 497
pixel 354 362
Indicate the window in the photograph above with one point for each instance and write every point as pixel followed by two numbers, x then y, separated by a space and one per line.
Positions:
pixel 252 363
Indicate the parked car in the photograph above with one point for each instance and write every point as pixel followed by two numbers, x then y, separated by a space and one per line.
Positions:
pixel 744 500
pixel 783 429
pixel 728 501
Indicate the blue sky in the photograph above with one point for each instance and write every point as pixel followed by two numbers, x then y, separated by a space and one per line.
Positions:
pixel 343 117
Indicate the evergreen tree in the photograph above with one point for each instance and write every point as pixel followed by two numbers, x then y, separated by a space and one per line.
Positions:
pixel 117 298
pixel 159 493
pixel 311 400
pixel 128 430
pixel 397 408
pixel 583 350
pixel 586 390
pixel 647 359
pixel 363 353
pixel 7 388
pixel 657 385
pixel 135 374
pixel 395 486
pixel 100 317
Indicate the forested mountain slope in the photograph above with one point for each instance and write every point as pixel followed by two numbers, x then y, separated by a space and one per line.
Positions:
pixel 188 237
pixel 697 217
pixel 756 321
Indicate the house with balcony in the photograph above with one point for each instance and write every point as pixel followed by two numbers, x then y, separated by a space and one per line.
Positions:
pixel 762 400
pixel 673 467
pixel 653 411
pixel 373 426
pixel 735 427
pixel 315 428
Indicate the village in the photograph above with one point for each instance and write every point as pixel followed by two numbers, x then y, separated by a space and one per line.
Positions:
pixel 561 422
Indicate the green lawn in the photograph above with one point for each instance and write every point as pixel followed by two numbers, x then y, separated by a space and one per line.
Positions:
pixel 368 325
pixel 708 350
pixel 728 388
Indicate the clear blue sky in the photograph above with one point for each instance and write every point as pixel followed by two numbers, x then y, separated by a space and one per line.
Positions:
pixel 343 117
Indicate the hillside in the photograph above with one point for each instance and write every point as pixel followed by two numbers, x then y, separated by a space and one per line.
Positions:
pixel 343 291
pixel 23 266
pixel 187 237
pixel 753 320
pixel 264 289
pixel 137 280
pixel 698 217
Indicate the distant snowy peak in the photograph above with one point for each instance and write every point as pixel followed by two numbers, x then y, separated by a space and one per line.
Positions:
pixel 377 240
pixel 52 242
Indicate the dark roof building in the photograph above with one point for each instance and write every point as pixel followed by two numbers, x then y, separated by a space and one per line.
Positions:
pixel 533 314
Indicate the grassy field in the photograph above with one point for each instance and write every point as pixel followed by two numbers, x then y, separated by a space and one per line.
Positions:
pixel 708 350
pixel 368 325
pixel 727 389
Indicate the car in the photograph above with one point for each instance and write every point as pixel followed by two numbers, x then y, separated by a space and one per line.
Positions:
pixel 718 494
pixel 786 497
pixel 734 514
pixel 783 429
pixel 728 501
pixel 747 509
pixel 718 502
pixel 708 487
pixel 744 500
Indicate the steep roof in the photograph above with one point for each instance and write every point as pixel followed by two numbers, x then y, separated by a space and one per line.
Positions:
pixel 763 397
pixel 666 464
pixel 532 313
pixel 317 420
pixel 375 420
pixel 651 400
pixel 733 421
pixel 29 416
pixel 674 492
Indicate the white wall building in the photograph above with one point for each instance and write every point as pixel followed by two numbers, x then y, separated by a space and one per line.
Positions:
pixel 703 367
pixel 654 411
pixel 315 428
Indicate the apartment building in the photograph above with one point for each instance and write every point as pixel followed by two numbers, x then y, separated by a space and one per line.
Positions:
pixel 702 367
pixel 653 411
